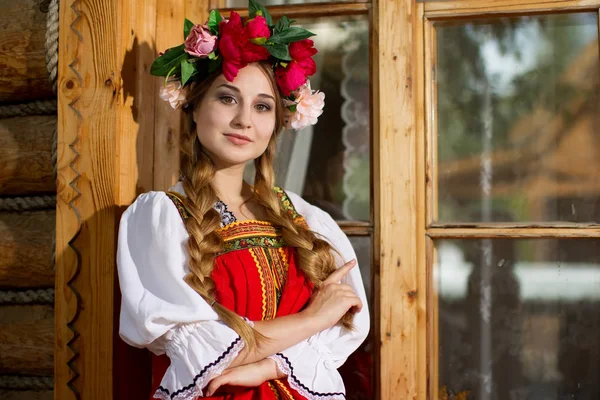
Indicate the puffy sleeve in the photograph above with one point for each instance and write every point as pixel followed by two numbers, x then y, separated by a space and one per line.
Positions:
pixel 311 365
pixel 159 310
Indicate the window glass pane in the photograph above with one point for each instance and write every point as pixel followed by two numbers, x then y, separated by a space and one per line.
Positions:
pixel 357 372
pixel 519 318
pixel 244 3
pixel 329 164
pixel 517 111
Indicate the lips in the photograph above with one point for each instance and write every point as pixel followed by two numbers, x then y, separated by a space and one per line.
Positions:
pixel 237 139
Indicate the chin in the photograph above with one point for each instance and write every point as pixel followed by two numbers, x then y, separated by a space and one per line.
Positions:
pixel 236 159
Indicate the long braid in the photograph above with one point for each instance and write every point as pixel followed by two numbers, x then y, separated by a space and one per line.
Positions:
pixel 198 170
pixel 315 255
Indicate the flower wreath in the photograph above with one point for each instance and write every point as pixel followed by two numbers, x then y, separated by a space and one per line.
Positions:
pixel 230 45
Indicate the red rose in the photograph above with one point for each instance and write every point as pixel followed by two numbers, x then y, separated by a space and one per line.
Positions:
pixel 302 52
pixel 235 46
pixel 257 28
pixel 231 42
pixel 290 78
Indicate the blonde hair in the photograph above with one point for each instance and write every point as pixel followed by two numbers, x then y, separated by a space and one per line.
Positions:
pixel 315 255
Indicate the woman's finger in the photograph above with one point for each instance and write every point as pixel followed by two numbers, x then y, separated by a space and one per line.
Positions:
pixel 215 384
pixel 339 273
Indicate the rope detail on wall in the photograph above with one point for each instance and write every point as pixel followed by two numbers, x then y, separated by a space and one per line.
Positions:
pixel 20 204
pixel 26 382
pixel 39 107
pixel 35 296
pixel 52 43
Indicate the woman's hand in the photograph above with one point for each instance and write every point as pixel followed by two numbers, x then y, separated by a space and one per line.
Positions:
pixel 249 375
pixel 329 303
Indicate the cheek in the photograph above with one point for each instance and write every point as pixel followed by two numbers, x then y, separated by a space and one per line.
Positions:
pixel 209 122
pixel 265 125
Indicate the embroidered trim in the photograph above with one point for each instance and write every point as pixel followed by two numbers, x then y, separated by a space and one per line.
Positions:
pixel 284 389
pixel 194 389
pixel 275 391
pixel 257 241
pixel 178 201
pixel 249 228
pixel 288 206
pixel 285 366
pixel 262 283
pixel 286 203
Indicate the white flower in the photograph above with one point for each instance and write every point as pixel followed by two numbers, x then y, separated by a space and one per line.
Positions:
pixel 174 94
pixel 309 106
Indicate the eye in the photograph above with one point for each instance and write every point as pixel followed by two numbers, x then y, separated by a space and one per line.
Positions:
pixel 263 107
pixel 227 99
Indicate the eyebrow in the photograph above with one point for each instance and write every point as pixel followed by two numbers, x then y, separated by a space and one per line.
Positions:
pixel 235 89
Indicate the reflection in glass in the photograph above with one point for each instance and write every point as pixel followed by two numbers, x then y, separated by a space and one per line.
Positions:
pixel 357 372
pixel 519 319
pixel 244 3
pixel 517 116
pixel 328 164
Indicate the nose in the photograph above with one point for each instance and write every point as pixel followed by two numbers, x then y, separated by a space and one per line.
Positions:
pixel 242 118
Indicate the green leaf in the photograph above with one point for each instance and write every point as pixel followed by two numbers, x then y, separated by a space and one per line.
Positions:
pixel 187 27
pixel 280 51
pixel 255 8
pixel 163 65
pixel 292 34
pixel 214 65
pixel 212 55
pixel 213 22
pixel 187 70
pixel 281 25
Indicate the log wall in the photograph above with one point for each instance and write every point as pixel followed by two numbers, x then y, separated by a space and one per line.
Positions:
pixel 28 121
pixel 23 73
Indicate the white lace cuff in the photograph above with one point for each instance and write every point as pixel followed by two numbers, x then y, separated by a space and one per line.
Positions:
pixel 198 353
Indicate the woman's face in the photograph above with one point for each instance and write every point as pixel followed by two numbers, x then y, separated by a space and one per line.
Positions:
pixel 235 120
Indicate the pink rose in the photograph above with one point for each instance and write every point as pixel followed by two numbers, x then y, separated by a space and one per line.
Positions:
pixel 309 106
pixel 200 42
pixel 174 94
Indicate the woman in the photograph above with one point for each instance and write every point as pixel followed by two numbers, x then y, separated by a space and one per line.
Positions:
pixel 238 285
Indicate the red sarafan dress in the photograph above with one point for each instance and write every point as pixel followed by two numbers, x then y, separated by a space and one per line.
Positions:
pixel 256 276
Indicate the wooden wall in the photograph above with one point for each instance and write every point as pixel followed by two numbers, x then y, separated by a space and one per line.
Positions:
pixel 28 120
pixel 115 141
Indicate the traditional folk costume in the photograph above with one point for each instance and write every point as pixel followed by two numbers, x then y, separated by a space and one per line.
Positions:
pixel 256 275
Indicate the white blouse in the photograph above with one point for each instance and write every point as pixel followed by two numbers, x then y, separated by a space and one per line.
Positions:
pixel 161 312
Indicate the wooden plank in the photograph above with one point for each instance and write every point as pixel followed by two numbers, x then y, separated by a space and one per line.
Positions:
pixel 27 339
pixel 517 232
pixel 399 290
pixel 356 228
pixel 426 373
pixel 309 10
pixel 377 192
pixel 430 116
pixel 167 122
pixel 89 115
pixel 26 241
pixel 26 154
pixel 23 72
pixel 453 9
pixel 139 94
